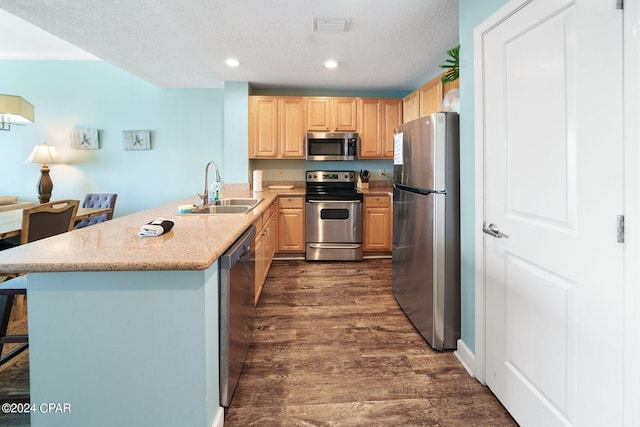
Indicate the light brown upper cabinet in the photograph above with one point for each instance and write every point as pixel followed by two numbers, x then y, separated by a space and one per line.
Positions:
pixel 411 106
pixel 427 99
pixel 431 97
pixel 263 126
pixel 277 127
pixel 391 117
pixel 291 111
pixel 327 114
pixel 378 118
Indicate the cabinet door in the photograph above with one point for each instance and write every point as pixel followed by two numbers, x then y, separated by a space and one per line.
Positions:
pixel 258 249
pixel 273 238
pixel 431 97
pixel 369 128
pixel 291 112
pixel 263 126
pixel 411 106
pixel 344 114
pixel 291 224
pixel 377 223
pixel 391 118
pixel 290 230
pixel 318 114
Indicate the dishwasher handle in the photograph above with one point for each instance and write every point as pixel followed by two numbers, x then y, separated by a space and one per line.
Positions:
pixel 239 248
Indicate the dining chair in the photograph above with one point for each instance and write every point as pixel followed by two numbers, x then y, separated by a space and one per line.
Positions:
pixel 98 200
pixel 39 222
pixel 48 219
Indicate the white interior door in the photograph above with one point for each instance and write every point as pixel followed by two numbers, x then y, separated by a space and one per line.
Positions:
pixel 551 129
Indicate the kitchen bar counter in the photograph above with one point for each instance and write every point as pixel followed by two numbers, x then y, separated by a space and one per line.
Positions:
pixel 194 243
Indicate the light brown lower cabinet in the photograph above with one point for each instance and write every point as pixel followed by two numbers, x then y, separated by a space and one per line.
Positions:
pixel 264 246
pixel 291 224
pixel 377 223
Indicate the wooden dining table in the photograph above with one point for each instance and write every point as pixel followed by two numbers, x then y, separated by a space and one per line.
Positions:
pixel 11 221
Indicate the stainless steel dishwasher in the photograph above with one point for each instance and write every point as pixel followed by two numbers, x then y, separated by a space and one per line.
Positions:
pixel 237 312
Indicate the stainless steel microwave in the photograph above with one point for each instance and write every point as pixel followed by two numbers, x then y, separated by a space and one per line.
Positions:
pixel 332 146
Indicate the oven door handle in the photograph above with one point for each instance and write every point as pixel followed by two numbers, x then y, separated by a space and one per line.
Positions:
pixel 334 201
pixel 330 246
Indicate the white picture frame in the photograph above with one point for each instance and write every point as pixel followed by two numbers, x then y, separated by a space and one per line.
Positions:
pixel 85 139
pixel 134 140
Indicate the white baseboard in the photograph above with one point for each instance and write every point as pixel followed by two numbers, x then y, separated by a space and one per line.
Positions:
pixel 219 420
pixel 466 357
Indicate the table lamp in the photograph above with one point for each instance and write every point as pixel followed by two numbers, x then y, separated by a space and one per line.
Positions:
pixel 43 154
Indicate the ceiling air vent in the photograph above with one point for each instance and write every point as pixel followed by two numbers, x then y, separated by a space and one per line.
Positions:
pixel 330 25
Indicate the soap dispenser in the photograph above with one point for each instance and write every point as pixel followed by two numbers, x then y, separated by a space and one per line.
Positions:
pixel 214 191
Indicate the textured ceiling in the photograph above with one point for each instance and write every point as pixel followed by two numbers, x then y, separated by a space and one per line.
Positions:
pixel 390 44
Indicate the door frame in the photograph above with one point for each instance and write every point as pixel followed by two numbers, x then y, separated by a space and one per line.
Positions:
pixel 631 284
pixel 631 147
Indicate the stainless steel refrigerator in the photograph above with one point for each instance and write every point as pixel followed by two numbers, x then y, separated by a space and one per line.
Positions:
pixel 426 226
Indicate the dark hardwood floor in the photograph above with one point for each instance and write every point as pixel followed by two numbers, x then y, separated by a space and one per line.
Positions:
pixel 332 348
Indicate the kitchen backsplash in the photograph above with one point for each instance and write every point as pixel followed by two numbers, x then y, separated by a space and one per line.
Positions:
pixel 294 170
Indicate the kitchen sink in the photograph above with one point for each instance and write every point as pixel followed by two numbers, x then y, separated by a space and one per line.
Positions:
pixel 221 210
pixel 227 206
pixel 236 202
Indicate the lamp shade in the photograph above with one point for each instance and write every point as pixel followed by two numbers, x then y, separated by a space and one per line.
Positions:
pixel 15 110
pixel 44 154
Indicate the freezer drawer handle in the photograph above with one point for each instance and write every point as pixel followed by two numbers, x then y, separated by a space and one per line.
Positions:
pixel 492 230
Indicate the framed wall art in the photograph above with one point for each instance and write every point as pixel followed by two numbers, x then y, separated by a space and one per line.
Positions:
pixel 85 139
pixel 136 140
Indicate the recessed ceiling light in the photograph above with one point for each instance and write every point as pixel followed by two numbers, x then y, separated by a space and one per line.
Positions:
pixel 330 64
pixel 232 62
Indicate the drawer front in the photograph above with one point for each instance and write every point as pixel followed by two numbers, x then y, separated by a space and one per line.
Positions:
pixel 377 201
pixel 266 215
pixel 291 202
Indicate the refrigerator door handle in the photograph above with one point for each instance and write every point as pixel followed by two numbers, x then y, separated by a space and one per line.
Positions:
pixel 417 190
pixel 492 230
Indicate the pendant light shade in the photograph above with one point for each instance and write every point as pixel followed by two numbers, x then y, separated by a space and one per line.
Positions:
pixel 15 110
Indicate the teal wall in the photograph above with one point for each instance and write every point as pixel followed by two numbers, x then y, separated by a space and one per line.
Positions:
pixel 186 129
pixel 471 13
pixel 236 131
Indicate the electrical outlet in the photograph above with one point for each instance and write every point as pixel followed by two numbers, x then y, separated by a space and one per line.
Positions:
pixel 280 172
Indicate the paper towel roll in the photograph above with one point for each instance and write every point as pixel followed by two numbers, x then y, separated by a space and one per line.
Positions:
pixel 257 180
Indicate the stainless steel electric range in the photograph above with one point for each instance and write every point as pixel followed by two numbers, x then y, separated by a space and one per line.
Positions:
pixel 333 216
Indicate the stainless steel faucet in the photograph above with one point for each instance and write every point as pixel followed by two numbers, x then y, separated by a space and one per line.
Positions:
pixel 205 196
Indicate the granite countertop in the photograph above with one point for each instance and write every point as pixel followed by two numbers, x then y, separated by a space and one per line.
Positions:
pixel 194 243
pixel 377 189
